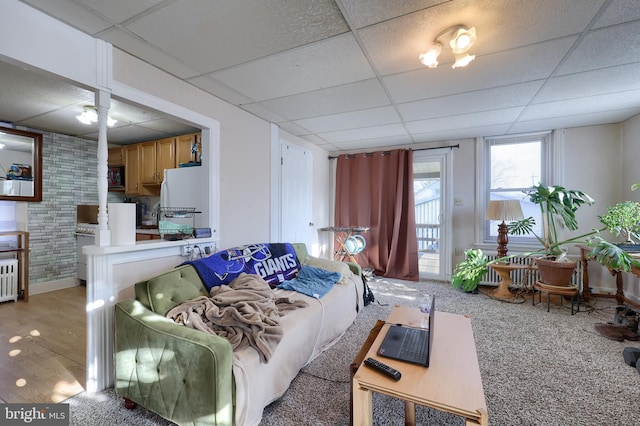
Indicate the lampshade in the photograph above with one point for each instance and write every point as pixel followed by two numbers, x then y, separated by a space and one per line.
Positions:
pixel 462 60
pixel 463 39
pixel 430 57
pixel 505 210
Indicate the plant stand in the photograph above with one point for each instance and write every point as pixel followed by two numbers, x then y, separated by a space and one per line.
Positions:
pixel 561 291
pixel 504 271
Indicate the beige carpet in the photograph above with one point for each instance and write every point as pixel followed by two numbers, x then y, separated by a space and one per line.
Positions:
pixel 538 368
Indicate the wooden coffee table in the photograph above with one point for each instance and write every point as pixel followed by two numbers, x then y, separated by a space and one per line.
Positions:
pixel 452 383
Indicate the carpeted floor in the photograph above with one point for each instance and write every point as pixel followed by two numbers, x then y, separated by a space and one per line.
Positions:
pixel 537 368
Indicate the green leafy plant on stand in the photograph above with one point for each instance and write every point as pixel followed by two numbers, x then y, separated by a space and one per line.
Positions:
pixel 623 218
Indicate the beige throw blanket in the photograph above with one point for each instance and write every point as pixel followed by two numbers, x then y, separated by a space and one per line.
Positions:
pixel 245 312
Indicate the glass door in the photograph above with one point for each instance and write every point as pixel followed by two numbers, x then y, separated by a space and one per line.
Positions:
pixel 430 198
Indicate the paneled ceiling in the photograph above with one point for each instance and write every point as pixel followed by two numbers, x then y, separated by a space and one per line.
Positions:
pixel 345 75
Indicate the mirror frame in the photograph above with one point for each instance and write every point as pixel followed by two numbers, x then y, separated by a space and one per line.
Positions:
pixel 37 166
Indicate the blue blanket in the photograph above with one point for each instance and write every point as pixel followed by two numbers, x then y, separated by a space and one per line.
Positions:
pixel 275 263
pixel 312 281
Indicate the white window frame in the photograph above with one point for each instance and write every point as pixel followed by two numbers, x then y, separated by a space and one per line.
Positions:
pixel 553 176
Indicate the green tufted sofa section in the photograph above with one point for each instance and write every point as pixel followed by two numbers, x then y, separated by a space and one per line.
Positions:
pixel 182 374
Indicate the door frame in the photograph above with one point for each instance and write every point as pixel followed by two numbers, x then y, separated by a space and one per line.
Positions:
pixel 444 155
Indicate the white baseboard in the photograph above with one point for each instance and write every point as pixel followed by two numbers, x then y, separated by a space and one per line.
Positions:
pixel 603 290
pixel 46 287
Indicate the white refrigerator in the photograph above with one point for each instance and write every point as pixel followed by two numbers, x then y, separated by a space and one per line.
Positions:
pixel 186 187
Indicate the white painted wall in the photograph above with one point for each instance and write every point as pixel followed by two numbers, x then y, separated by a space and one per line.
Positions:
pixel 591 164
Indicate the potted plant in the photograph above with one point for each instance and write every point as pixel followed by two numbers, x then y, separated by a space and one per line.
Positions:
pixel 558 206
pixel 624 219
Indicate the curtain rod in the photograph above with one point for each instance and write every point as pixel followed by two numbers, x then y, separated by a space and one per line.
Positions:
pixel 419 149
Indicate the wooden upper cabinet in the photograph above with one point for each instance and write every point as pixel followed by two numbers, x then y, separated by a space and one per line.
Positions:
pixel 132 169
pixel 155 157
pixel 148 163
pixel 115 157
pixel 165 156
pixel 184 144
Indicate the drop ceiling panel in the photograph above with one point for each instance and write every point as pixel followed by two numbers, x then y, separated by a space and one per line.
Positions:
pixel 456 134
pixel 491 99
pixel 299 70
pixel 590 83
pixel 294 129
pixel 587 105
pixel 130 134
pixel 350 97
pixel 574 121
pixel 27 94
pixel 384 142
pixel 366 12
pixel 351 120
pixel 617 12
pixel 463 121
pixel 220 90
pixel 57 121
pixel 70 12
pixel 528 63
pixel 373 132
pixel 605 47
pixel 260 111
pixel 148 53
pixel 119 11
pixel 212 35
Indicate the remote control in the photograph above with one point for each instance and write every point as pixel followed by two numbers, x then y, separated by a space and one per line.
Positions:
pixel 383 368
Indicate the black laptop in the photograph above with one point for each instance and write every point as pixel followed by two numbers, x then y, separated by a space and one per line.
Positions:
pixel 409 344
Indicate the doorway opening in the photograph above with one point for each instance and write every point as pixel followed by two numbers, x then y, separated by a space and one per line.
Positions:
pixel 430 199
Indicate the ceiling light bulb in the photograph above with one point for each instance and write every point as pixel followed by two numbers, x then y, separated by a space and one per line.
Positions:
pixel 463 60
pixel 90 116
pixel 430 57
pixel 463 39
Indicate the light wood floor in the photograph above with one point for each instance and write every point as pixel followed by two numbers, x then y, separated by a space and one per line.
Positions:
pixel 43 347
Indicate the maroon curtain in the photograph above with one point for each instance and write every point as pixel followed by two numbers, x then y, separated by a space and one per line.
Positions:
pixel 376 190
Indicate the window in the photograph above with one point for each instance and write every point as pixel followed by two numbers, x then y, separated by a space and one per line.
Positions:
pixel 514 164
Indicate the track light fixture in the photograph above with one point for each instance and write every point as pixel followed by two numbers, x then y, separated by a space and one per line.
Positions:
pixel 460 39
pixel 90 115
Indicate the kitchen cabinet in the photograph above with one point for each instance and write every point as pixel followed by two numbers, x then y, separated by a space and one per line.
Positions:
pixel 132 170
pixel 155 156
pixel 146 237
pixel 115 157
pixel 184 144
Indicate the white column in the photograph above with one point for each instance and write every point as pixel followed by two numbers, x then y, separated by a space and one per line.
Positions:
pixel 103 235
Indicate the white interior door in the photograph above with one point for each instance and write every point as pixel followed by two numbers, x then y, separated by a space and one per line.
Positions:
pixel 296 184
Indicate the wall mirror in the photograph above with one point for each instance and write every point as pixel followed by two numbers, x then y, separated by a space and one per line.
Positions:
pixel 20 165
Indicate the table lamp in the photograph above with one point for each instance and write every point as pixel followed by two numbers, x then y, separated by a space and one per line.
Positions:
pixel 504 210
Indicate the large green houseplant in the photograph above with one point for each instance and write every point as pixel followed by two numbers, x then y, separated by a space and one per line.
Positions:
pixel 558 206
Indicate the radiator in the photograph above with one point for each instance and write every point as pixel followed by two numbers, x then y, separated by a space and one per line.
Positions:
pixel 527 276
pixel 9 280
